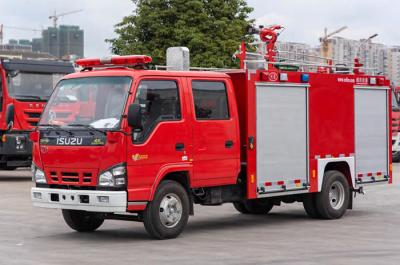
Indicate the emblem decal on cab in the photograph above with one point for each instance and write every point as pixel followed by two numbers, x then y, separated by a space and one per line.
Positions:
pixel 137 157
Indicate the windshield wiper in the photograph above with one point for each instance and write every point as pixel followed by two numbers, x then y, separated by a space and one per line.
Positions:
pixel 86 126
pixel 55 126
pixel 29 97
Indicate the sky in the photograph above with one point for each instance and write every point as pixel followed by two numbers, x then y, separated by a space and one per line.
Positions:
pixel 304 20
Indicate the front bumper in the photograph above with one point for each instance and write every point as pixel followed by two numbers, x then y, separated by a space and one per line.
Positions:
pixel 84 200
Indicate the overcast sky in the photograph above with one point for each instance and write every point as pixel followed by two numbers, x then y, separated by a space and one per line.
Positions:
pixel 304 19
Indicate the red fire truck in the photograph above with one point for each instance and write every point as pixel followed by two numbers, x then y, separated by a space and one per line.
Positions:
pixel 395 126
pixel 153 143
pixel 25 86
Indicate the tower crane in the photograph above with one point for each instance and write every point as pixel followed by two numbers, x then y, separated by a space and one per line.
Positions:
pixel 325 40
pixel 56 16
pixel 2 27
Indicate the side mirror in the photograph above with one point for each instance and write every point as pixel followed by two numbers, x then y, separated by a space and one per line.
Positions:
pixel 135 116
pixel 10 116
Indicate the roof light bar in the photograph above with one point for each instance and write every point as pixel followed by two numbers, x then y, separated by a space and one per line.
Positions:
pixel 115 60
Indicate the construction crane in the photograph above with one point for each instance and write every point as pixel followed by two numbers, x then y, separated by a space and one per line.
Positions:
pixel 2 27
pixel 325 40
pixel 56 16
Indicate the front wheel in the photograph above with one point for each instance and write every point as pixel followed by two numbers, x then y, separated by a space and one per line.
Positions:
pixel 8 168
pixel 310 205
pixel 83 221
pixel 167 215
pixel 333 200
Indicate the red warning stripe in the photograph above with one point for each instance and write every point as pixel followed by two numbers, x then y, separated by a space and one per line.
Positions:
pixel 268 184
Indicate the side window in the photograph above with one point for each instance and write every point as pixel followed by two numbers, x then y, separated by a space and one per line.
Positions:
pixel 210 100
pixel 159 101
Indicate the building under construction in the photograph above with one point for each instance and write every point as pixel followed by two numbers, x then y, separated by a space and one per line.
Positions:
pixel 61 42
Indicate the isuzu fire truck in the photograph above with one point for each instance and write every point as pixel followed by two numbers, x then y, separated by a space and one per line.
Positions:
pixel 25 87
pixel 148 145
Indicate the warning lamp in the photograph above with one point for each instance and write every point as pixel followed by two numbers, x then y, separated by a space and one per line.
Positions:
pixel 129 60
pixel 381 81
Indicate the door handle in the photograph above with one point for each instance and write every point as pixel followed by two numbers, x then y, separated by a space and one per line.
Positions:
pixel 179 147
pixel 229 144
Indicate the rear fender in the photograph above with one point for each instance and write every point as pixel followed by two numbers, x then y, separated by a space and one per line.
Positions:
pixel 346 165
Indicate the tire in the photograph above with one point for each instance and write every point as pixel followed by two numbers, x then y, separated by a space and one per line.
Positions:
pixel 82 221
pixel 255 206
pixel 396 157
pixel 309 204
pixel 333 200
pixel 8 168
pixel 167 215
pixel 239 206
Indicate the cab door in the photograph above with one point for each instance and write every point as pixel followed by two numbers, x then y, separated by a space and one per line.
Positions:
pixel 216 150
pixel 165 138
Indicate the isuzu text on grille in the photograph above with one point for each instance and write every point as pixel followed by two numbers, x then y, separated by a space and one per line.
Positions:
pixel 69 141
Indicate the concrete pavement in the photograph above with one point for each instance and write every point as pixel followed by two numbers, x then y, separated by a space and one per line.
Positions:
pixel 369 234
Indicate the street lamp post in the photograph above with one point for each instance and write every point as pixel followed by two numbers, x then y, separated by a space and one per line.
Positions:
pixel 357 64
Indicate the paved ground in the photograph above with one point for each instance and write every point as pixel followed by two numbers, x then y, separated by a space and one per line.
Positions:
pixel 370 234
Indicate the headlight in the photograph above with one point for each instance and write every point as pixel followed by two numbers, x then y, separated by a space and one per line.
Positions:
pixel 113 177
pixel 38 175
pixel 106 179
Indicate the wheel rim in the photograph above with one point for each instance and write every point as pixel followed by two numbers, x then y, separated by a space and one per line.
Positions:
pixel 336 195
pixel 170 210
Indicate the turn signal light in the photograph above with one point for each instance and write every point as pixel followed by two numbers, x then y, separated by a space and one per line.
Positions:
pixel 4 138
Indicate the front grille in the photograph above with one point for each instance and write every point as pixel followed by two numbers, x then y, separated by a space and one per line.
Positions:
pixel 33 114
pixel 71 177
pixel 32 117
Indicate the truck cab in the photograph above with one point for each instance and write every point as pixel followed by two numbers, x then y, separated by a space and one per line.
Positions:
pixel 186 126
pixel 25 87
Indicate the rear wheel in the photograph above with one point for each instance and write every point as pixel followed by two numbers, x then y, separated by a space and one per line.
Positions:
pixel 239 206
pixel 309 204
pixel 83 221
pixel 167 215
pixel 255 206
pixel 333 200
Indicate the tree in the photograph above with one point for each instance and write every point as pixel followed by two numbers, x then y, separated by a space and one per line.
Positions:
pixel 211 29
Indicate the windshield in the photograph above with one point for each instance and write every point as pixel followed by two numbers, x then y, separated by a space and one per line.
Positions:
pixel 97 102
pixel 32 85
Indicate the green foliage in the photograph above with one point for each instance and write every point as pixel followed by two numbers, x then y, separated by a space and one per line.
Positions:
pixel 211 29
